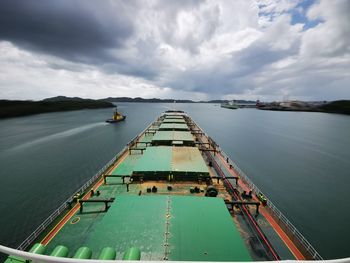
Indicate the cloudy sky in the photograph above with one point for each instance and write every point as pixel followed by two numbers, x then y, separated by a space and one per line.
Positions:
pixel 184 49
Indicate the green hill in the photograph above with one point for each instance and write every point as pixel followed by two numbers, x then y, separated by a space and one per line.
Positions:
pixel 339 106
pixel 17 108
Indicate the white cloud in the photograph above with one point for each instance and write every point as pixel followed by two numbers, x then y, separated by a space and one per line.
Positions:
pixel 332 36
pixel 277 6
pixel 272 9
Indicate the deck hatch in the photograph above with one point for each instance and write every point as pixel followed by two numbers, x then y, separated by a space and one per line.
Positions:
pixel 166 137
pixel 169 116
pixel 183 161
pixel 173 126
pixel 171 120
pixel 200 228
pixel 146 139
pixel 127 166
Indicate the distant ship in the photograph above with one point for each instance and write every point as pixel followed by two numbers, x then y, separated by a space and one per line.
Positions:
pixel 117 117
pixel 230 105
pixel 172 194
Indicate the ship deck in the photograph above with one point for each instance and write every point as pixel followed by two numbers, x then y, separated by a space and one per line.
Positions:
pixel 135 221
pixel 155 201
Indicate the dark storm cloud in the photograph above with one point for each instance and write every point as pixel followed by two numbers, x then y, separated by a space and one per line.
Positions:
pixel 236 74
pixel 77 30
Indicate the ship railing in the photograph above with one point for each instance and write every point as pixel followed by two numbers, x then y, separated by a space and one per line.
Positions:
pixel 283 220
pixel 137 137
pixel 36 258
pixel 293 231
pixel 63 207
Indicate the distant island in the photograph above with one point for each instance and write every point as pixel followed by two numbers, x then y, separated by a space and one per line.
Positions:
pixel 156 100
pixel 339 106
pixel 138 99
pixel 18 108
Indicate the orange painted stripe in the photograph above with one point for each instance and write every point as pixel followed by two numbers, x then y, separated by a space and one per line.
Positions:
pixel 284 237
pixel 76 207
pixel 295 251
pixel 57 228
pixel 117 163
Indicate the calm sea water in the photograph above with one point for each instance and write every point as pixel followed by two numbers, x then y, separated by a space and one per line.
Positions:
pixel 300 160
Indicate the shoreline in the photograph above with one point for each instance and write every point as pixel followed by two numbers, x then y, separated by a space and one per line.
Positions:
pixel 12 109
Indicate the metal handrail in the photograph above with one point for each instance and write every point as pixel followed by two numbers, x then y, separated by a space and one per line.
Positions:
pixel 64 205
pixel 276 212
pixel 36 258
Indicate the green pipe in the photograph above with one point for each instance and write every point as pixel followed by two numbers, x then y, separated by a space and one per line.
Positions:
pixel 107 253
pixel 38 248
pixel 60 251
pixel 132 253
pixel 83 253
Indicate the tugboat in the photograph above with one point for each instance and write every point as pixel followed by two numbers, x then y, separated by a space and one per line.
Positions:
pixel 117 117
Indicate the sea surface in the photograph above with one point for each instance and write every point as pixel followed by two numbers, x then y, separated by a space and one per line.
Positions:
pixel 300 160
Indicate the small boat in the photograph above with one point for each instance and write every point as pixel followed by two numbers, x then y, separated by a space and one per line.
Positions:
pixel 117 117
pixel 230 105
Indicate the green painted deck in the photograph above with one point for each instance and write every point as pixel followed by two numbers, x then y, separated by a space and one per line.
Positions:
pixel 132 221
pixel 172 136
pixel 146 138
pixel 76 235
pixel 174 120
pixel 171 159
pixel 127 166
pixel 173 126
pixel 157 159
pixel 203 230
pixel 200 228
pixel 188 159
